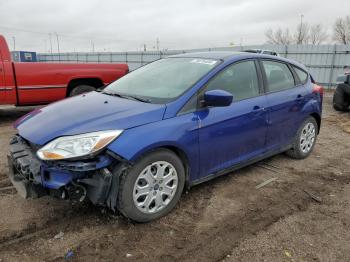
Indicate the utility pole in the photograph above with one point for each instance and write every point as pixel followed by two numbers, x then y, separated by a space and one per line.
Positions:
pixel 301 20
pixel 93 46
pixel 58 43
pixel 58 46
pixel 300 34
pixel 157 44
pixel 50 43
pixel 14 43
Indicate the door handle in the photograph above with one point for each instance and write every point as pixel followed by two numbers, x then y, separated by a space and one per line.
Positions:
pixel 299 97
pixel 257 109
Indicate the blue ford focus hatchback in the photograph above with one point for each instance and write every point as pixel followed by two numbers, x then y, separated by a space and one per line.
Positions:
pixel 171 124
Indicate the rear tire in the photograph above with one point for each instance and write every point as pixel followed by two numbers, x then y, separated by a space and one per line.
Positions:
pixel 341 98
pixel 152 187
pixel 305 139
pixel 81 89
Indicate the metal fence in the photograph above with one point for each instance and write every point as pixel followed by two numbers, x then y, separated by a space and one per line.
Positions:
pixel 325 62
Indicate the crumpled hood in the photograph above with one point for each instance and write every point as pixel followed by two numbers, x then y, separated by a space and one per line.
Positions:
pixel 86 113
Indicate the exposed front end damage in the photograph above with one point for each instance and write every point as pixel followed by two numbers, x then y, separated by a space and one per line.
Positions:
pixel 95 178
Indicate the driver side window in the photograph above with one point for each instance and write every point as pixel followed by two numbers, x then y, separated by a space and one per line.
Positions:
pixel 239 79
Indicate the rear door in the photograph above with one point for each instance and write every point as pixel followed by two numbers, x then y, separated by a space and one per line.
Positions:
pixel 229 135
pixel 285 100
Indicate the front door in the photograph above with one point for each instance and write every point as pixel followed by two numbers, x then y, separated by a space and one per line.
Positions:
pixel 229 135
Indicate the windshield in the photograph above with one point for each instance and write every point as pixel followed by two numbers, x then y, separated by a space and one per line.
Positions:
pixel 161 81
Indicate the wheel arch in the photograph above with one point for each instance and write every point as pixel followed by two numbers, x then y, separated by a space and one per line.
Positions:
pixel 313 108
pixel 95 82
pixel 174 149
pixel 184 159
pixel 318 120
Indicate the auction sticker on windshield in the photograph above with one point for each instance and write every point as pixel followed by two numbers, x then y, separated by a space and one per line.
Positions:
pixel 204 61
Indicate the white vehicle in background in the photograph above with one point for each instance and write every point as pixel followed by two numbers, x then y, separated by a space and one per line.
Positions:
pixel 261 51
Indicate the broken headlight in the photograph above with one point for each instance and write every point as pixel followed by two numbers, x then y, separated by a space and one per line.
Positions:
pixel 66 147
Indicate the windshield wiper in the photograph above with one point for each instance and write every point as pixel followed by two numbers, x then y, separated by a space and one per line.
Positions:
pixel 139 98
pixel 113 94
pixel 128 97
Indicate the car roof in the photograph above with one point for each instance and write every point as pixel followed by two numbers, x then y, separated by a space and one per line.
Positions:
pixel 231 55
pixel 222 55
pixel 255 50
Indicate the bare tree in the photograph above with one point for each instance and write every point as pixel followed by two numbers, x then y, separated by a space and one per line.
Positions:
pixel 279 37
pixel 317 34
pixel 342 30
pixel 269 34
pixel 305 34
pixel 301 35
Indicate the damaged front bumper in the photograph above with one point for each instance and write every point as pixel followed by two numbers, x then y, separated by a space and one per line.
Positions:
pixel 95 179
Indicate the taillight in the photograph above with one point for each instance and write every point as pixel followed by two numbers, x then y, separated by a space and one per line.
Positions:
pixel 317 89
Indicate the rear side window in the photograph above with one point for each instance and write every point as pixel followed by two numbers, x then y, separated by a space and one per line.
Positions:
pixel 301 74
pixel 239 79
pixel 278 76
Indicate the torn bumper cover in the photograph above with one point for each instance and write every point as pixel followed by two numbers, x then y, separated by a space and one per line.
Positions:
pixel 75 180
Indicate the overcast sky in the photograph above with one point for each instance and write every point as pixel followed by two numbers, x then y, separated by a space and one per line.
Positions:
pixel 114 25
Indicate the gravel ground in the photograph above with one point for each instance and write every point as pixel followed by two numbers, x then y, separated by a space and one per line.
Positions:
pixel 303 215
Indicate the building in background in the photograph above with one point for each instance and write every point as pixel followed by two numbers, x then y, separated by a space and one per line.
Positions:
pixel 24 56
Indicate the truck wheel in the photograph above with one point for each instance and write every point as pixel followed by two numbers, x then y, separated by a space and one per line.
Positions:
pixel 80 89
pixel 341 98
pixel 152 187
pixel 305 139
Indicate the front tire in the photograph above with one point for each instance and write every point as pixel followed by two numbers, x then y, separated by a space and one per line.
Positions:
pixel 305 139
pixel 81 89
pixel 152 187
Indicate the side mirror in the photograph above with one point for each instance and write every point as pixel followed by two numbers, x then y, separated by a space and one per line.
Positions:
pixel 217 98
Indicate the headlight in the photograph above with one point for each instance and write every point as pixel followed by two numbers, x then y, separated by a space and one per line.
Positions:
pixel 76 146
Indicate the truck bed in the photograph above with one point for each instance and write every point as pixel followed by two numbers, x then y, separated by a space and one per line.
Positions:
pixel 41 83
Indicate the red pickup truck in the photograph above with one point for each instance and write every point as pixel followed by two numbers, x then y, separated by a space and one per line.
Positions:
pixel 34 83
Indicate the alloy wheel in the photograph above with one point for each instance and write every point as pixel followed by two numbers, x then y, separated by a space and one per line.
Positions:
pixel 307 137
pixel 155 187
